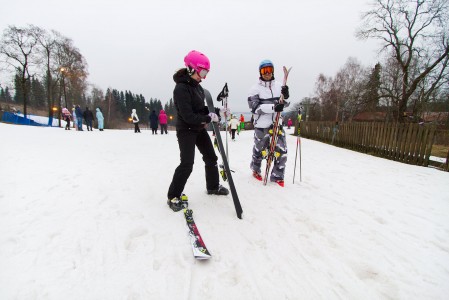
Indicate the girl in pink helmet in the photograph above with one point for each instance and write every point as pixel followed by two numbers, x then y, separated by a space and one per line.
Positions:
pixel 192 118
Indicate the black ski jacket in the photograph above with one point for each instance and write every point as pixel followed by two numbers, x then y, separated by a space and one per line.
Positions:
pixel 88 115
pixel 188 97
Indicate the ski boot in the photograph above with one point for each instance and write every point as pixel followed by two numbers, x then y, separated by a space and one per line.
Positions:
pixel 178 203
pixel 223 173
pixel 221 190
pixel 280 182
pixel 257 176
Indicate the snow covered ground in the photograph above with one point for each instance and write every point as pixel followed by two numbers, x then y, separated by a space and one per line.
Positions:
pixel 83 215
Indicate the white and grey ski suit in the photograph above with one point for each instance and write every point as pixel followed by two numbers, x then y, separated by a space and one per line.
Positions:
pixel 261 100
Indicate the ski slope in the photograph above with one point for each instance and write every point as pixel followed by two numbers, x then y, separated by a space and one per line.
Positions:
pixel 83 215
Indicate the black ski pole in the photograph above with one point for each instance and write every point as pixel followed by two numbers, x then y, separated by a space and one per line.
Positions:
pixel 235 197
pixel 298 147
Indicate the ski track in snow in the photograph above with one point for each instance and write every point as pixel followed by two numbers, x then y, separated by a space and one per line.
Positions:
pixel 83 215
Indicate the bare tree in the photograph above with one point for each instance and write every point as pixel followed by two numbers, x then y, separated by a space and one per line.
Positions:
pixel 341 97
pixel 349 86
pixel 390 88
pixel 17 49
pixel 324 90
pixel 431 89
pixel 73 67
pixel 47 42
pixel 416 32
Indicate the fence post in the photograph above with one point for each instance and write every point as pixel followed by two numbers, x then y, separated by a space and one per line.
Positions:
pixel 429 145
pixel 447 161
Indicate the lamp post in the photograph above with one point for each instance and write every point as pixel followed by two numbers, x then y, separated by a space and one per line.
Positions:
pixel 62 70
pixel 55 110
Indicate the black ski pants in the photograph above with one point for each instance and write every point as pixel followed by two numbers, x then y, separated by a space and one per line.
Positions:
pixel 164 128
pixel 187 140
pixel 136 127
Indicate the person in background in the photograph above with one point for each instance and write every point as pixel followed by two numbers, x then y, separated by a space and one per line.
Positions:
pixel 334 131
pixel 88 117
pixel 79 117
pixel 66 116
pixel 263 100
pixel 75 120
pixel 135 119
pixel 100 119
pixel 192 118
pixel 163 121
pixel 153 122
pixel 234 125
pixel 242 123
pixel 289 123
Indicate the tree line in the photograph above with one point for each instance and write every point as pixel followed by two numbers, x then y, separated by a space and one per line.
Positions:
pixel 412 76
pixel 49 72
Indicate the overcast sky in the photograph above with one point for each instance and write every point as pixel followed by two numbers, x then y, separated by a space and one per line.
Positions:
pixel 137 45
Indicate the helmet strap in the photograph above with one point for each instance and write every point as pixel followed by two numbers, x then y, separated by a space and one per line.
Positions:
pixel 190 70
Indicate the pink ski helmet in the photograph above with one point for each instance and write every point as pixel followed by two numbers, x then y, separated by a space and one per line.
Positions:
pixel 198 62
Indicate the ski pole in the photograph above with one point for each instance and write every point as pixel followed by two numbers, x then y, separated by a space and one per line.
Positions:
pixel 298 147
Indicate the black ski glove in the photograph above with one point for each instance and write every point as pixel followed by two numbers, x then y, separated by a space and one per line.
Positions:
pixel 284 91
pixel 278 107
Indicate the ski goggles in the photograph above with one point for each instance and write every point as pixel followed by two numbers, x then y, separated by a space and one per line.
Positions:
pixel 266 70
pixel 203 73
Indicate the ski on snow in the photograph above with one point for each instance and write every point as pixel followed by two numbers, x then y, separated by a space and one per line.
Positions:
pixel 198 246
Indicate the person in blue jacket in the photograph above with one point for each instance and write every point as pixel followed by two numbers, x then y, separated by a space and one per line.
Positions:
pixel 100 119
pixel 79 117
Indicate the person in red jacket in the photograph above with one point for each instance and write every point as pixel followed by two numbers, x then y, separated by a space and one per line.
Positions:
pixel 163 121
pixel 242 123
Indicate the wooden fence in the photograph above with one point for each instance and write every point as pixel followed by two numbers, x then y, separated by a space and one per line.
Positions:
pixel 408 143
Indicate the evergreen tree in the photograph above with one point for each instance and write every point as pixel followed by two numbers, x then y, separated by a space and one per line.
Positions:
pixel 37 95
pixel 8 96
pixel 371 96
pixel 2 95
pixel 158 106
pixel 18 87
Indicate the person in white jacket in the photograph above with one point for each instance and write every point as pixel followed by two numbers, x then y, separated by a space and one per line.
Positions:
pixel 135 121
pixel 234 125
pixel 263 100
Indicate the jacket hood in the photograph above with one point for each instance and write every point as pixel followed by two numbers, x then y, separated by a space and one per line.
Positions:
pixel 162 112
pixel 183 77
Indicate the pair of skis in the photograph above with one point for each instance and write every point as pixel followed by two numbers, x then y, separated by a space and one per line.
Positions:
pixel 274 136
pixel 199 248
